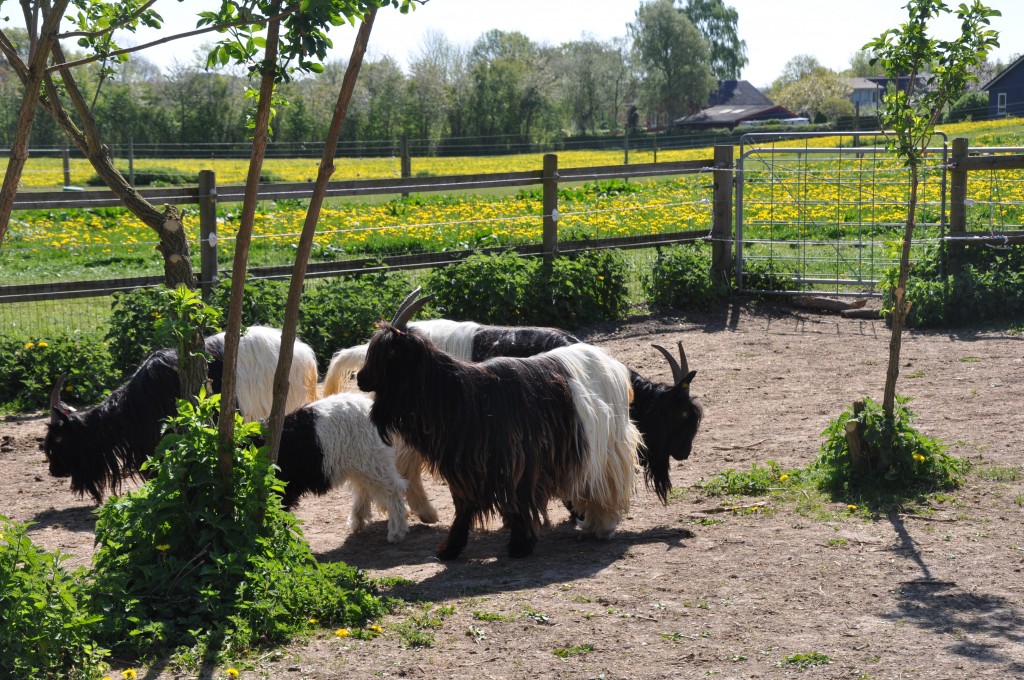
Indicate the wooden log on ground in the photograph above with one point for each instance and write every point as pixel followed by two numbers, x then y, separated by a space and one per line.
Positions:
pixel 823 304
pixel 861 313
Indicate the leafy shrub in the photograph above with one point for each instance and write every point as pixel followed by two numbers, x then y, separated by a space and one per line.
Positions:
pixel 132 334
pixel 762 275
pixel 343 312
pixel 30 369
pixel 507 289
pixel 584 288
pixel 989 289
pixel 45 631
pixel 488 289
pixel 681 279
pixel 905 458
pixel 262 305
pixel 969 106
pixel 758 481
pixel 184 563
pixel 154 176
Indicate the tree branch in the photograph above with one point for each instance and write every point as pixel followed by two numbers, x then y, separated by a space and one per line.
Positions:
pixel 109 29
pixel 171 38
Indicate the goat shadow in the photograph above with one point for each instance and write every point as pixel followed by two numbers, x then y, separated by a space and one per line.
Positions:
pixel 562 554
pixel 77 518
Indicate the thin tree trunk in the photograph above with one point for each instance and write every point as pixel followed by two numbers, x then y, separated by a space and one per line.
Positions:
pixel 32 78
pixel 291 315
pixel 225 449
pixel 899 308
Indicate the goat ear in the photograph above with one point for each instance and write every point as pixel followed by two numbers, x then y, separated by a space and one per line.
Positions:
pixel 684 384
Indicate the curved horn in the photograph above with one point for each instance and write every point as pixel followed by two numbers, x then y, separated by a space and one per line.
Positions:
pixel 677 373
pixel 682 359
pixel 405 303
pixel 55 398
pixel 407 313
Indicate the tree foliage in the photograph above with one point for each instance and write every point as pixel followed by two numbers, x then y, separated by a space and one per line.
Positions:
pixel 819 92
pixel 718 24
pixel 673 60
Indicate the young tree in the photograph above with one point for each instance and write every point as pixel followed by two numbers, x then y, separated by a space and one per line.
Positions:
pixel 937 72
pixel 593 77
pixel 673 60
pixel 718 24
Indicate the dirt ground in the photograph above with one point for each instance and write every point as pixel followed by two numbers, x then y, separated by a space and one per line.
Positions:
pixel 687 590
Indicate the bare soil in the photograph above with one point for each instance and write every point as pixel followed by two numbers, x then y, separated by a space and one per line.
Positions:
pixel 695 589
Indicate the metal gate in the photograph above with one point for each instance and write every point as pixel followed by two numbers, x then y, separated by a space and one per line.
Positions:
pixel 825 212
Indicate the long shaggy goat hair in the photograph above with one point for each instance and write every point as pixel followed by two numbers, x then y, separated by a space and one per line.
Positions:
pixel 331 441
pixel 667 415
pixel 98 446
pixel 508 434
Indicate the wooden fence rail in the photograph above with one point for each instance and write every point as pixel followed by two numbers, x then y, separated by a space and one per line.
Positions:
pixel 208 195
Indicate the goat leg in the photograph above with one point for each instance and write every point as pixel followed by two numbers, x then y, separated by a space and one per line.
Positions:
pixel 458 535
pixel 523 535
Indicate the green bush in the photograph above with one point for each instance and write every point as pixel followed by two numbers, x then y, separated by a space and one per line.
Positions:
pixel 184 564
pixel 45 629
pixel 132 334
pixel 681 279
pixel 488 289
pixel 263 304
pixel 761 275
pixel 507 289
pixel 970 106
pixel 343 312
pixel 906 460
pixel 584 288
pixel 988 290
pixel 154 176
pixel 31 367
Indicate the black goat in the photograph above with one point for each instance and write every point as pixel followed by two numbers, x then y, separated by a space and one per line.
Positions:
pixel 508 434
pixel 667 415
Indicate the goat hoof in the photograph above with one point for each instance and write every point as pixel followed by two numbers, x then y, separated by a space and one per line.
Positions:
pixel 444 553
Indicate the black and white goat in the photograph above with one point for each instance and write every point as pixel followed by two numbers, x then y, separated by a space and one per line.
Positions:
pixel 667 415
pixel 98 446
pixel 330 441
pixel 508 434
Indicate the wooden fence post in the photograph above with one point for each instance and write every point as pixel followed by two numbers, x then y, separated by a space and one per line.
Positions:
pixel 67 166
pixel 957 204
pixel 406 160
pixel 207 232
pixel 550 209
pixel 721 224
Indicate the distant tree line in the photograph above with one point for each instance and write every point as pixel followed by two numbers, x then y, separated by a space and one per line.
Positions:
pixel 504 91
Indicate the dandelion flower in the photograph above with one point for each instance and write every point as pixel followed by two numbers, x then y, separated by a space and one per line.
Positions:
pixel 918 457
pixel 313 622
pixel 29 345
pixel 783 478
pixel 129 674
pixel 232 672
pixel 376 629
pixel 163 546
pixel 851 507
pixel 42 344
pixel 342 632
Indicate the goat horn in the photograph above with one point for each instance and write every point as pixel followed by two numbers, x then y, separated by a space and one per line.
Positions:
pixel 682 358
pixel 408 312
pixel 55 397
pixel 405 303
pixel 677 373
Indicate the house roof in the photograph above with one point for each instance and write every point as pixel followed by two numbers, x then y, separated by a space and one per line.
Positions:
pixel 729 115
pixel 1016 63
pixel 862 84
pixel 738 93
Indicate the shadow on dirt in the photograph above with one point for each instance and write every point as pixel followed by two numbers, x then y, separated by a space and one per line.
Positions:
pixel 972 622
pixel 563 554
pixel 79 518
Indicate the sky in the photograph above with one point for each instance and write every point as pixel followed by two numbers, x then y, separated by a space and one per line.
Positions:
pixel 775 31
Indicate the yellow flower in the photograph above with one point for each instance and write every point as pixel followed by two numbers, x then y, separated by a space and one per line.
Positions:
pixel 342 632
pixel 129 674
pixel 312 622
pixel 29 345
pixel 851 507
pixel 42 344
pixel 918 457
pixel 163 546
pixel 376 629
pixel 783 478
pixel 232 672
